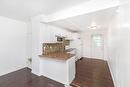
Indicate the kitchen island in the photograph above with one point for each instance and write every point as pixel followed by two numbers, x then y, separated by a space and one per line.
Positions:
pixel 58 66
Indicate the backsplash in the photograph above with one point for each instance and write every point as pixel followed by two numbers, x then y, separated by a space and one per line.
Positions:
pixel 53 47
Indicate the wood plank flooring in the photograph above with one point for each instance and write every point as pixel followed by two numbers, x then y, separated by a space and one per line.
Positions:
pixel 24 78
pixel 89 73
pixel 92 73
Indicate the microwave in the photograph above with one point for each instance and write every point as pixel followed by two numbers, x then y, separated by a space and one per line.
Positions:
pixel 60 39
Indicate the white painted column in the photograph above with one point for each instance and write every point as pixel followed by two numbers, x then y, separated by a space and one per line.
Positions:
pixel 35 45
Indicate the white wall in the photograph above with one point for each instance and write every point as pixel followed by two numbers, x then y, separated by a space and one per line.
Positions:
pixel 29 39
pixel 86 40
pixel 49 32
pixel 119 47
pixel 12 45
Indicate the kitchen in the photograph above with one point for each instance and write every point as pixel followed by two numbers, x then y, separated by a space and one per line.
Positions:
pixel 58 52
pixel 55 43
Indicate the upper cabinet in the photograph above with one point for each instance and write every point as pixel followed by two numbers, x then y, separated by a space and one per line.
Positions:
pixel 73 36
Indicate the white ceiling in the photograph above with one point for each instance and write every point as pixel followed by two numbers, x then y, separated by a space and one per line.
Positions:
pixel 24 9
pixel 81 23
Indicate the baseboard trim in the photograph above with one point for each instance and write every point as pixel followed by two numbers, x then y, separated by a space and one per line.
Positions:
pixel 11 71
pixel 36 73
pixel 95 58
pixel 113 78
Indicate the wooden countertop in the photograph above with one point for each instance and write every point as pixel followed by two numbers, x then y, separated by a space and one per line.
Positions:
pixel 58 55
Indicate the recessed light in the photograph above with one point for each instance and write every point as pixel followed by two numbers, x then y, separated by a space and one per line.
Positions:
pixel 93 27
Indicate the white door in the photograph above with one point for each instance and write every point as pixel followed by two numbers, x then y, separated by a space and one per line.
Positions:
pixel 97 46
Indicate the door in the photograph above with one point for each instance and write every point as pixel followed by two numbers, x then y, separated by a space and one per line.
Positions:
pixel 97 46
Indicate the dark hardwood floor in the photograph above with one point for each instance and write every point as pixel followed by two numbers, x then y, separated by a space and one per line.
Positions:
pixel 24 78
pixel 92 73
pixel 89 73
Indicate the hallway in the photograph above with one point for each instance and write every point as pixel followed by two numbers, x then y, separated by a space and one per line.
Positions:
pixel 92 73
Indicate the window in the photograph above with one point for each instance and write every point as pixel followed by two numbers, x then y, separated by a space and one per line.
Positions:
pixel 98 40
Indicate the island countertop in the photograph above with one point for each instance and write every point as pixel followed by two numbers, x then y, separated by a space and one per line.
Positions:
pixel 58 55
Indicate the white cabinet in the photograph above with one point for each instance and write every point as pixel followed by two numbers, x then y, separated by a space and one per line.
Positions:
pixel 62 71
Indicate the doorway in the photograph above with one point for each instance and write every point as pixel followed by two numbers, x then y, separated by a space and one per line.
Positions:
pixel 97 46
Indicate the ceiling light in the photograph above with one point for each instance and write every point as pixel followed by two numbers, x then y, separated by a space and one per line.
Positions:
pixel 93 26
